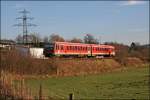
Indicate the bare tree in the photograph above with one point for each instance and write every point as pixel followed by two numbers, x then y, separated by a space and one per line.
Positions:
pixel 19 39
pixel 76 40
pixel 90 39
pixel 45 39
pixel 56 38
pixel 34 38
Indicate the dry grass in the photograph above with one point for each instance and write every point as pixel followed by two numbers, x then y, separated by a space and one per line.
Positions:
pixel 17 63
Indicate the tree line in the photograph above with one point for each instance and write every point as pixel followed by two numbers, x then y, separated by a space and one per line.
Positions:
pixel 122 50
pixel 35 39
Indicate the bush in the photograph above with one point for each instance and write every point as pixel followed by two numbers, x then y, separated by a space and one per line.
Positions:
pixel 17 63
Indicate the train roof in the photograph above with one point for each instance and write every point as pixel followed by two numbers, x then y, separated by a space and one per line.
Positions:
pixel 95 45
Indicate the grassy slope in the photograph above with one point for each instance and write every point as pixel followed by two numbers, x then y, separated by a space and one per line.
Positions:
pixel 131 83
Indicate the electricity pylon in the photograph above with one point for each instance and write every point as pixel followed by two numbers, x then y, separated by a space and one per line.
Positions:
pixel 24 24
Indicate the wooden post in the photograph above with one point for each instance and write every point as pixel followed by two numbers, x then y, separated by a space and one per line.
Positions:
pixel 21 89
pixel 70 96
pixel 40 92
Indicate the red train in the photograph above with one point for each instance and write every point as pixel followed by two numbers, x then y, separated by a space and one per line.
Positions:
pixel 78 49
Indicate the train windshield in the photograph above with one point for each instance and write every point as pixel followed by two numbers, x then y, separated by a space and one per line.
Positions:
pixel 49 47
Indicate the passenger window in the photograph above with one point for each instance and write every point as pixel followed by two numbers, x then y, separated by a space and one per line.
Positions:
pixel 79 48
pixel 83 48
pixel 61 47
pixel 67 48
pixel 96 49
pixel 75 47
pixel 56 47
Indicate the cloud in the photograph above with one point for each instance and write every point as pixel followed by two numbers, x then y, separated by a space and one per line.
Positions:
pixel 132 2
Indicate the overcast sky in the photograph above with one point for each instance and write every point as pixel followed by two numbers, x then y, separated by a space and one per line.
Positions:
pixel 117 21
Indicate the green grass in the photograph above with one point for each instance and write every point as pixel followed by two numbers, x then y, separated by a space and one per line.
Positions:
pixel 128 84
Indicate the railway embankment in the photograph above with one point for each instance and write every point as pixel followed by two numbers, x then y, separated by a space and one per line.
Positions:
pixel 71 67
pixel 19 64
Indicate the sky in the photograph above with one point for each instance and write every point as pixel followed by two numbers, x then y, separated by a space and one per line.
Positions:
pixel 108 21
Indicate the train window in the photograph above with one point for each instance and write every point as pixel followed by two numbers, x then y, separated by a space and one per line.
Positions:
pixel 86 48
pixel 62 48
pixel 93 48
pixel 96 49
pixel 56 47
pixel 67 48
pixel 99 49
pixel 75 47
pixel 83 48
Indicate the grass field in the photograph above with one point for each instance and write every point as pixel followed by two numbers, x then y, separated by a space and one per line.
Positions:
pixel 131 83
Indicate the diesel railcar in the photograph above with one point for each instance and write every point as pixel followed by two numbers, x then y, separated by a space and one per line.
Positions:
pixel 78 49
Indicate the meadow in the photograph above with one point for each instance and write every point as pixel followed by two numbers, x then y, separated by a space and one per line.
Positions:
pixel 129 83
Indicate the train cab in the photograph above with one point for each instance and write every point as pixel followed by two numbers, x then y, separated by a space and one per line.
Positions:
pixel 49 50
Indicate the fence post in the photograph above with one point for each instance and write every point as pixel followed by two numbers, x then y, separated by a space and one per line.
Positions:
pixel 40 92
pixel 21 88
pixel 70 96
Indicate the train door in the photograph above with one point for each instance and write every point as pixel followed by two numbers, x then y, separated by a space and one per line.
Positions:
pixel 89 50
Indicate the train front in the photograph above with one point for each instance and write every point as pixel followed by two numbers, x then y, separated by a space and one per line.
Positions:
pixel 49 50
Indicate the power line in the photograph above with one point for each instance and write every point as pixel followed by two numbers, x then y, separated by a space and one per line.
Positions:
pixel 24 24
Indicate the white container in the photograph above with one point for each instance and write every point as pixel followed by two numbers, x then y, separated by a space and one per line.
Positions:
pixel 36 52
